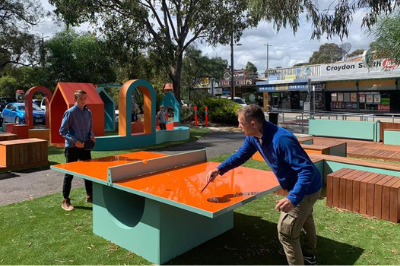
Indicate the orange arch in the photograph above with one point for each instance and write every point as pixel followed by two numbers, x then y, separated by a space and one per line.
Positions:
pixel 125 107
pixel 28 104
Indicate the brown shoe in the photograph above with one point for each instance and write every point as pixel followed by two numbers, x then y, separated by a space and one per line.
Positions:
pixel 66 205
pixel 89 199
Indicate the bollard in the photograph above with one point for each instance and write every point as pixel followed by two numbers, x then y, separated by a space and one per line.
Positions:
pixel 206 118
pixel 195 115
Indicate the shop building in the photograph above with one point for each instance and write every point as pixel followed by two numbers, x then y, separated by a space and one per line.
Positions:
pixel 344 86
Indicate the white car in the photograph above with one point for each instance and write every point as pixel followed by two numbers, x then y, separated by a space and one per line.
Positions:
pixel 237 100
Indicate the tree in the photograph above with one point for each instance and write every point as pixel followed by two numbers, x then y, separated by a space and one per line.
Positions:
pixel 195 66
pixel 387 37
pixel 327 53
pixel 17 45
pixel 326 17
pixel 78 58
pixel 251 70
pixel 355 53
pixel 166 27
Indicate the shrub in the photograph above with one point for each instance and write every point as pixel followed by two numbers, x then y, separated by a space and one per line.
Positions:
pixel 222 111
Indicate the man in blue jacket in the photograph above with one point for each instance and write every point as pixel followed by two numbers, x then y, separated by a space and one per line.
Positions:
pixel 76 128
pixel 295 172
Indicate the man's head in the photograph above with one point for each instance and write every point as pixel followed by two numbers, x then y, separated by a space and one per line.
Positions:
pixel 80 98
pixel 161 107
pixel 251 120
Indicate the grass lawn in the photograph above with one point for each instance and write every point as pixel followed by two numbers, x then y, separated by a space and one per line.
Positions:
pixel 40 232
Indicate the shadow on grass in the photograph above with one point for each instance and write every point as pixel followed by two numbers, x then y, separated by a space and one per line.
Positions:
pixel 254 241
pixel 83 208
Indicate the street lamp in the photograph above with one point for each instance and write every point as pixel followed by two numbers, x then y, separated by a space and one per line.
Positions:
pixel 232 69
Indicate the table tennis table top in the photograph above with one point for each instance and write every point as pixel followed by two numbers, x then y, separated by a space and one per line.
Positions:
pixel 181 186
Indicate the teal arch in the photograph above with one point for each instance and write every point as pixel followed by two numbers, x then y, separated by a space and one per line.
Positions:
pixel 109 109
pixel 171 102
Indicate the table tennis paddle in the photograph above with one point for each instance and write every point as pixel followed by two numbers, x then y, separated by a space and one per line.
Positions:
pixel 211 179
pixel 88 145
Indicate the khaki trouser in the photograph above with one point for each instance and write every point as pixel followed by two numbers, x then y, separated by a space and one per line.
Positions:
pixel 290 226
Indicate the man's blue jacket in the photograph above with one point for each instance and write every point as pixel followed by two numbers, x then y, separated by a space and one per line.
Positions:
pixel 295 171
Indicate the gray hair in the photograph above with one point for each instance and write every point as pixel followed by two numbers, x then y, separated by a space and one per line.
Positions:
pixel 252 112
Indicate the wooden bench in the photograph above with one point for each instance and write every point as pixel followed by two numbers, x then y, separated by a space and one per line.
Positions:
pixel 338 149
pixel 23 153
pixel 7 136
pixel 364 192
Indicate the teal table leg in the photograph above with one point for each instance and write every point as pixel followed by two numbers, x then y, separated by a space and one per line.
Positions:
pixel 154 230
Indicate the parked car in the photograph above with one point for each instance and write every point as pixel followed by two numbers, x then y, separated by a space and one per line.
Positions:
pixel 15 113
pixel 40 102
pixel 6 100
pixel 236 100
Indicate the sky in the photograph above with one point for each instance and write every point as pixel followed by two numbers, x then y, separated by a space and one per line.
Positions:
pixel 285 48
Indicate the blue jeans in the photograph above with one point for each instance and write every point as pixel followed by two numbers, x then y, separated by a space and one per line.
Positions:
pixel 73 155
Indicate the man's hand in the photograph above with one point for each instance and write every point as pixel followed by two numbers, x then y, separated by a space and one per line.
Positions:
pixel 93 138
pixel 212 175
pixel 284 205
pixel 78 144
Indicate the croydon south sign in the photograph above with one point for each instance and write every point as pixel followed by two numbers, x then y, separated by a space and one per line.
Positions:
pixel 381 65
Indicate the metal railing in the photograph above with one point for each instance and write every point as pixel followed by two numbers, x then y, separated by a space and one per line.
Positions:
pixel 297 120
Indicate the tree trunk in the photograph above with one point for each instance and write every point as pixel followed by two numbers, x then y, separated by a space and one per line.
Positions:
pixel 175 75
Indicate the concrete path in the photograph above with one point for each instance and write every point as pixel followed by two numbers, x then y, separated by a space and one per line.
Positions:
pixel 25 185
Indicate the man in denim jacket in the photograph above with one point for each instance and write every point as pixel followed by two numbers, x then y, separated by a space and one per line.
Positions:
pixel 76 128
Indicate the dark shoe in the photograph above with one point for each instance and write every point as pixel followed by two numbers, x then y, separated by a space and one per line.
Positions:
pixel 310 260
pixel 66 205
pixel 89 199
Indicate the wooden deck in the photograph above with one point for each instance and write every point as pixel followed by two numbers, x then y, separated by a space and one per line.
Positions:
pixel 364 149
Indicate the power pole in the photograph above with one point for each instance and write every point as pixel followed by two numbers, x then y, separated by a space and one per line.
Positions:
pixel 268 45
pixel 232 69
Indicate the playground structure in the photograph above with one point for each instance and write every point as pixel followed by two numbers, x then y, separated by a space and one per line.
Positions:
pixel 130 134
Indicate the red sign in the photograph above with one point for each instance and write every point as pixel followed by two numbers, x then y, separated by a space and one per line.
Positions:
pixel 389 63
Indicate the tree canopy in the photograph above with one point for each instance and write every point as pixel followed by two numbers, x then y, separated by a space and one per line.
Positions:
pixel 251 69
pixel 17 45
pixel 327 53
pixel 78 58
pixel 328 17
pixel 166 27
pixel 196 67
pixel 387 37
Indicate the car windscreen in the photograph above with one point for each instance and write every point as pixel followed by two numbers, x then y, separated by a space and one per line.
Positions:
pixel 239 101
pixel 34 107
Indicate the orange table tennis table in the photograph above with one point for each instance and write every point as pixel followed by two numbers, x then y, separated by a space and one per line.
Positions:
pixel 150 203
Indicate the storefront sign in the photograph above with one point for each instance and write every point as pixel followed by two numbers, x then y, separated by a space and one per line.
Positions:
pixel 266 88
pixel 358 67
pixel 389 64
pixel 290 77
pixel 224 83
pixel 281 87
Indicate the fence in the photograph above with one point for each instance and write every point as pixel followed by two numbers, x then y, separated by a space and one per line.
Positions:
pixel 298 120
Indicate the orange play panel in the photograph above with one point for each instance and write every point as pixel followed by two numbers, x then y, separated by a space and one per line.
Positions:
pixel 97 168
